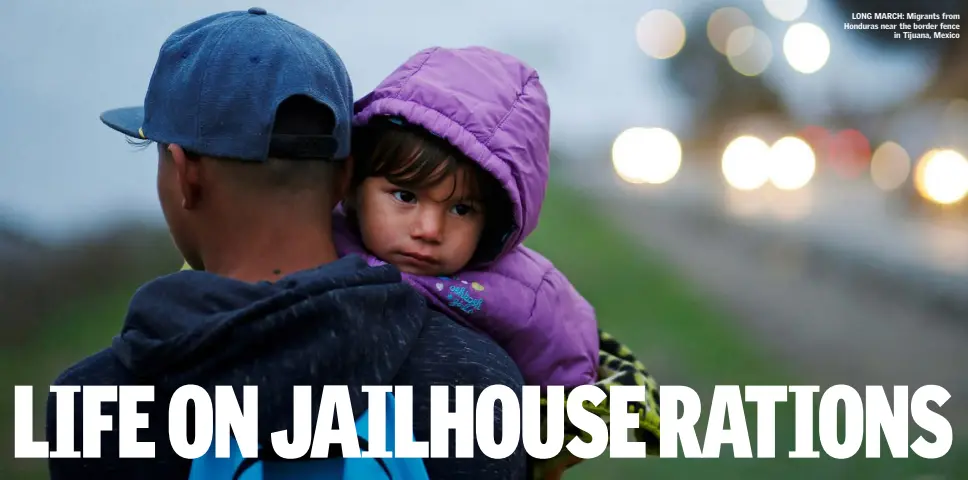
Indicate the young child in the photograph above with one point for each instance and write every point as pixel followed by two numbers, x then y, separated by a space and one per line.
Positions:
pixel 451 162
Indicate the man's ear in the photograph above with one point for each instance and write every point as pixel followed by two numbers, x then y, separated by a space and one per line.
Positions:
pixel 344 183
pixel 188 170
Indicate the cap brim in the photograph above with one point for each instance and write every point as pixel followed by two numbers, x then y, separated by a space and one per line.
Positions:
pixel 126 120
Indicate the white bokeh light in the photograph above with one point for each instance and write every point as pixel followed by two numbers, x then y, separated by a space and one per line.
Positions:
pixel 942 176
pixel 806 47
pixel 724 22
pixel 785 10
pixel 792 163
pixel 646 155
pixel 660 34
pixel 890 166
pixel 749 50
pixel 746 163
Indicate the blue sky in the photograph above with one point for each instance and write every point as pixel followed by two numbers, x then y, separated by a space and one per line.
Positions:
pixel 64 62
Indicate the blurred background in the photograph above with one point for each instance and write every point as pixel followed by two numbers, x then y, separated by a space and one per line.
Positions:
pixel 747 191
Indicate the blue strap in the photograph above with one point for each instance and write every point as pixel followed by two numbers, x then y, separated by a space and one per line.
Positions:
pixel 398 468
pixel 236 467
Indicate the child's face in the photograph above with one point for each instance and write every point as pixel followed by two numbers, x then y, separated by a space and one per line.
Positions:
pixel 432 231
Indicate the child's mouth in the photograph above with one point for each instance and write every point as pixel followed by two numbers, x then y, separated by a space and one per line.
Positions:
pixel 417 258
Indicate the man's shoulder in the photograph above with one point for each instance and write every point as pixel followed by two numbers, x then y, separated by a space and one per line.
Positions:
pixel 452 354
pixel 104 369
pixel 101 368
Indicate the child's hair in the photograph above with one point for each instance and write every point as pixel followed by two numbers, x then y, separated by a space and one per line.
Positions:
pixel 411 157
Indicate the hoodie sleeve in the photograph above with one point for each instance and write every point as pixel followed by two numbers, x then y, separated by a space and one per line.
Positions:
pixel 567 324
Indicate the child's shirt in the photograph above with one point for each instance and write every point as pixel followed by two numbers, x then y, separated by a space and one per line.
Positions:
pixel 521 301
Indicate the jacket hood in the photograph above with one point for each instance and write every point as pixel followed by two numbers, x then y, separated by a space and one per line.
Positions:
pixel 327 326
pixel 488 104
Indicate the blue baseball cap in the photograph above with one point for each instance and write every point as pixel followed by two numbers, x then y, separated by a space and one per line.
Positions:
pixel 218 81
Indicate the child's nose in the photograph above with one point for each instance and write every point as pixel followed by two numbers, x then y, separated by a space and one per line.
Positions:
pixel 428 226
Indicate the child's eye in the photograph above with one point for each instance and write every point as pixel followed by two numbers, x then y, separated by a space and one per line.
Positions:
pixel 404 196
pixel 461 209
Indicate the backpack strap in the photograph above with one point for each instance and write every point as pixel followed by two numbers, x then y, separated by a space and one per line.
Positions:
pixel 394 467
pixel 236 467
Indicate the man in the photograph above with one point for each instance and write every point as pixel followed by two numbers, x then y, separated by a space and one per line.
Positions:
pixel 251 118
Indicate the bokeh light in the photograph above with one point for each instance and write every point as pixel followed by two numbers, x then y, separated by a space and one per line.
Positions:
pixel 646 155
pixel 942 176
pixel 785 10
pixel 849 152
pixel 746 163
pixel 792 163
pixel 749 50
pixel 724 22
pixel 660 34
pixel 817 137
pixel 806 47
pixel 890 166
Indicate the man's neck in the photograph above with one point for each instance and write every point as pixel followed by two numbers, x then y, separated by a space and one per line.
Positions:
pixel 268 254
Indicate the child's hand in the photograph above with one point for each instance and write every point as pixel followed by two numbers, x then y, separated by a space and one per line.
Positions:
pixel 617 366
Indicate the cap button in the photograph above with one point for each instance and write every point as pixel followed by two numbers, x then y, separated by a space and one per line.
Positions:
pixel 257 11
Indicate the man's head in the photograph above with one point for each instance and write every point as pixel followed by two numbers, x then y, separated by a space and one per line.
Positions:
pixel 251 116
